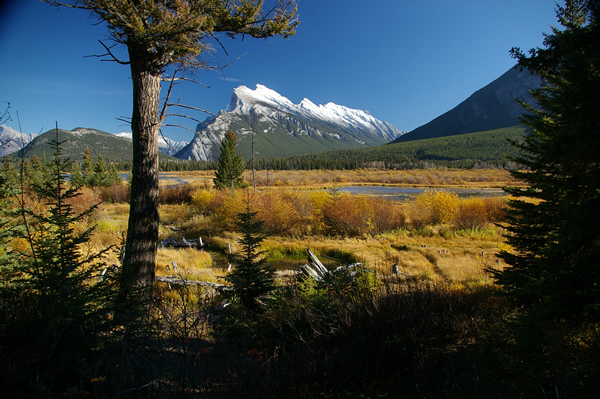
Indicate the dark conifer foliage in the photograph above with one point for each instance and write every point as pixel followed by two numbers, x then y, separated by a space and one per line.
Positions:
pixel 251 278
pixel 231 165
pixel 554 222
pixel 56 293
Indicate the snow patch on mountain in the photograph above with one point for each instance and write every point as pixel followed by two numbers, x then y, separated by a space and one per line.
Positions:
pixel 307 125
pixel 245 99
pixel 165 144
pixel 12 140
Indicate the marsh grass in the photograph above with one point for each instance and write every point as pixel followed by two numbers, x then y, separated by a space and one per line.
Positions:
pixel 190 261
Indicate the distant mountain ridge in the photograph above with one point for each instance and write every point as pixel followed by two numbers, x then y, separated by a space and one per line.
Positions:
pixel 165 145
pixel 282 128
pixel 12 140
pixel 492 107
pixel 113 147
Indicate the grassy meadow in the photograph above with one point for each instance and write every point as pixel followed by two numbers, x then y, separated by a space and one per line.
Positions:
pixel 438 328
pixel 437 236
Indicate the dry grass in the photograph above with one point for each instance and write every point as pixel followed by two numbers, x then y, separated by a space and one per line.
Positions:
pixel 192 264
pixel 432 251
pixel 412 178
pixel 326 178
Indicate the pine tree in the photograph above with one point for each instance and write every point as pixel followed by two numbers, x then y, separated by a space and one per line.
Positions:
pixel 54 302
pixel 88 168
pixel 113 175
pixel 100 173
pixel 10 229
pixel 231 165
pixel 250 277
pixel 76 176
pixel 554 227
pixel 64 276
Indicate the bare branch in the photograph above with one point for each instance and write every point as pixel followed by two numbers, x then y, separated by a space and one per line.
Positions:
pixel 183 79
pixel 165 139
pixel 190 107
pixel 6 114
pixel 76 4
pixel 220 44
pixel 166 104
pixel 181 126
pixel 109 54
pixel 125 119
pixel 183 116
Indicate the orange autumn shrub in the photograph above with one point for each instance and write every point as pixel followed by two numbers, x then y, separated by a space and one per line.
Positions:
pixel 471 213
pixel 233 202
pixel 496 207
pixel 278 213
pixel 352 215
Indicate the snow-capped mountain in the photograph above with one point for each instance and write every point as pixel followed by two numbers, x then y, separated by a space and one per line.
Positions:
pixel 12 140
pixel 282 128
pixel 165 144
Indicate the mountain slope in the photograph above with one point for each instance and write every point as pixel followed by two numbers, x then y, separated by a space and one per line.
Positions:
pixel 469 150
pixel 112 147
pixel 12 140
pixel 492 107
pixel 165 145
pixel 282 128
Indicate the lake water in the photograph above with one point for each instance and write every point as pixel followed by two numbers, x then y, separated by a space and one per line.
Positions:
pixel 395 193
pixel 401 193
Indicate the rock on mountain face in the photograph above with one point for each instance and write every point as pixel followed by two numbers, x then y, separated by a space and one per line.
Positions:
pixel 492 107
pixel 165 144
pixel 12 140
pixel 282 128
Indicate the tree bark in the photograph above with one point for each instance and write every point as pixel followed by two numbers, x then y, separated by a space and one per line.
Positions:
pixel 142 232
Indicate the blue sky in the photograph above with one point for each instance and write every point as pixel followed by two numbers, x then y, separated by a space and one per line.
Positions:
pixel 406 62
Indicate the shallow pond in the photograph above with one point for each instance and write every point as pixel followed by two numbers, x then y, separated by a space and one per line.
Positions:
pixel 401 193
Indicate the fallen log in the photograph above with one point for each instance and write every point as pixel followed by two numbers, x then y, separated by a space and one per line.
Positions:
pixel 183 282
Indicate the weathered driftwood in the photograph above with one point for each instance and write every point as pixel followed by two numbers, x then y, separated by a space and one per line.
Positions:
pixel 170 242
pixel 315 269
pixel 183 282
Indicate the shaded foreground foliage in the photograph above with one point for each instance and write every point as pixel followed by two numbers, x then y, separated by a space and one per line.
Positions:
pixel 348 336
pixel 553 221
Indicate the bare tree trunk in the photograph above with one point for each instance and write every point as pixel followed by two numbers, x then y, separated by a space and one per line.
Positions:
pixel 142 231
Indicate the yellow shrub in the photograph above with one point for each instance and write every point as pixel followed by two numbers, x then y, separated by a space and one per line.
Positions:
pixel 204 199
pixel 227 211
pixel 435 207
pixel 358 215
pixel 495 207
pixel 278 213
pixel 472 213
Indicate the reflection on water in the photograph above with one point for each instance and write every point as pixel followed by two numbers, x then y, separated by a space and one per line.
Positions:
pixel 401 193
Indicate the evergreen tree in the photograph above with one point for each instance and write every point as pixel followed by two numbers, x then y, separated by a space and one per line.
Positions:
pixel 36 171
pixel 250 277
pixel 231 165
pixel 554 227
pixel 100 173
pixel 61 272
pixel 55 301
pixel 76 176
pixel 10 228
pixel 113 175
pixel 88 168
